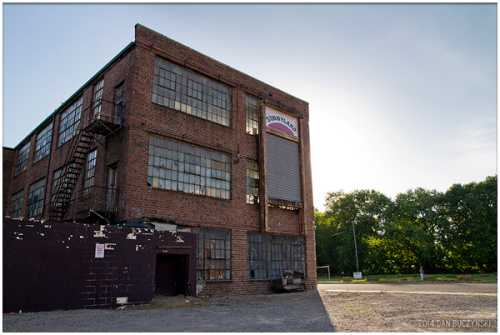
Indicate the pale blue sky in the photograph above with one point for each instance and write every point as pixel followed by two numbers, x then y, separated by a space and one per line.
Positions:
pixel 400 96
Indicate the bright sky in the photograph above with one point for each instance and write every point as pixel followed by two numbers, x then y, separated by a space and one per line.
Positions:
pixel 400 96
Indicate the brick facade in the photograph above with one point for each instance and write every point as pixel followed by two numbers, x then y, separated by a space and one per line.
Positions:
pixel 127 148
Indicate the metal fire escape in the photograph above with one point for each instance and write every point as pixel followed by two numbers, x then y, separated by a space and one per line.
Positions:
pixel 104 122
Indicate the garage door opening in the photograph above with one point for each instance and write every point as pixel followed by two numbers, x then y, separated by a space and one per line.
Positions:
pixel 172 274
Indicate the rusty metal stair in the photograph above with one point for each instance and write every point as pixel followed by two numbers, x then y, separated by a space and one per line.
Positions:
pixel 75 161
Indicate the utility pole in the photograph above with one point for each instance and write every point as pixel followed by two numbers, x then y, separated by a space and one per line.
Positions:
pixel 355 246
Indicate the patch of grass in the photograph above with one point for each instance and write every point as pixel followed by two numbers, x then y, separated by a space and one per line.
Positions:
pixel 413 278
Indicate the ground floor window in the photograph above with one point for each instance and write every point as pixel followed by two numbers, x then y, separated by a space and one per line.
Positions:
pixel 17 203
pixel 35 199
pixel 213 259
pixel 270 255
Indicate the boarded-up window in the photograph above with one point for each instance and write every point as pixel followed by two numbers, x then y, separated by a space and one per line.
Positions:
pixel 283 169
pixel 271 255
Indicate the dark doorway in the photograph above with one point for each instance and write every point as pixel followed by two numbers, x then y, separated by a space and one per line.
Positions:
pixel 171 274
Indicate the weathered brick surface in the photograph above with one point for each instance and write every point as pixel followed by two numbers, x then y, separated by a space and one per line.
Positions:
pixel 129 150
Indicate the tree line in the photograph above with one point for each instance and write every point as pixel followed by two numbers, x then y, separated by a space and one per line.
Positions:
pixel 453 231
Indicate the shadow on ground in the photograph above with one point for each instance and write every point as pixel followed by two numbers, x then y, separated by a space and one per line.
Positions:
pixel 291 312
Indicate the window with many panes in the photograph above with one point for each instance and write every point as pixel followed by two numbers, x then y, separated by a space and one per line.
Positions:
pixel 252 182
pixel 179 166
pixel 271 255
pixel 69 122
pixel 119 103
pixel 35 198
pixel 43 142
pixel 252 114
pixel 97 98
pixel 213 261
pixel 189 92
pixel 89 179
pixel 16 204
pixel 56 180
pixel 22 158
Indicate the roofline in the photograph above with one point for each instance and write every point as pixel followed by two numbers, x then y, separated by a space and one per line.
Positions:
pixel 7 148
pixel 122 53
pixel 223 64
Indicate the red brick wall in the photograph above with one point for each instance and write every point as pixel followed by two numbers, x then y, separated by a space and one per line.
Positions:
pixel 192 210
pixel 129 149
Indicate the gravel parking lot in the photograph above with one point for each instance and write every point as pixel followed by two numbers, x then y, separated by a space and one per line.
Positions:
pixel 341 307
pixel 411 307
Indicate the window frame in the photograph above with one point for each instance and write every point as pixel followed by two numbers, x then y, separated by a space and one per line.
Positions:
pixel 90 172
pixel 22 158
pixel 180 88
pixel 272 248
pixel 43 143
pixel 97 97
pixel 252 167
pixel 184 167
pixel 252 115
pixel 119 102
pixel 69 122
pixel 206 265
pixel 17 197
pixel 37 204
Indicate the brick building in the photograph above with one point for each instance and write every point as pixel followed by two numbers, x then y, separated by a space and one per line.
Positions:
pixel 165 136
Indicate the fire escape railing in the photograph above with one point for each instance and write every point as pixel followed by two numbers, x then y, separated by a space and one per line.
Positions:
pixel 105 119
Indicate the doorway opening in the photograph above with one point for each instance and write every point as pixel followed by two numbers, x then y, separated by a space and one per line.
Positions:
pixel 172 273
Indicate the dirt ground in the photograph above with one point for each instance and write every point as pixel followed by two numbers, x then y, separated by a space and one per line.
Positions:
pixel 340 307
pixel 411 307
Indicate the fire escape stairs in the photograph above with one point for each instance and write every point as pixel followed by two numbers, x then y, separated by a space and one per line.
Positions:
pixel 75 161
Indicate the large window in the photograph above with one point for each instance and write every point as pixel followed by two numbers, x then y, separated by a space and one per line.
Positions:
pixel 213 261
pixel 43 142
pixel 89 180
pixel 17 203
pixel 252 182
pixel 184 90
pixel 69 122
pixel 270 255
pixel 97 99
pixel 183 167
pixel 22 158
pixel 252 114
pixel 35 199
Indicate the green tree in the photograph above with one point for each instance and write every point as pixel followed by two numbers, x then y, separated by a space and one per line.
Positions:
pixel 453 231
pixel 469 237
pixel 367 210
